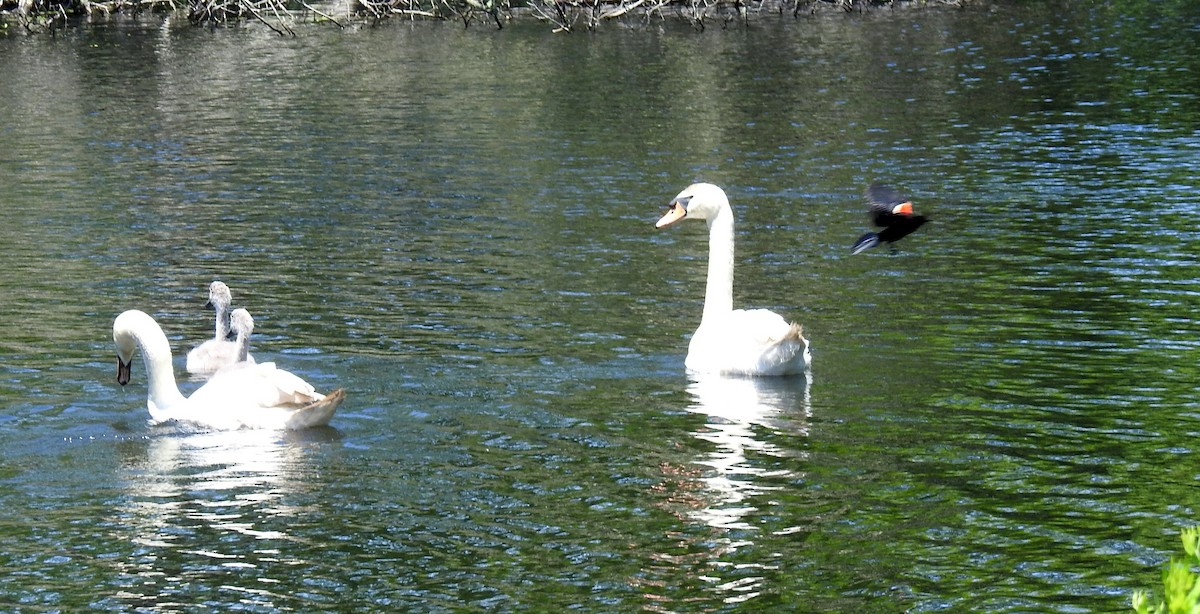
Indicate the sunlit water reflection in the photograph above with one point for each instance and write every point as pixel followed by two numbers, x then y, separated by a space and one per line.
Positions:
pixel 222 500
pixel 735 409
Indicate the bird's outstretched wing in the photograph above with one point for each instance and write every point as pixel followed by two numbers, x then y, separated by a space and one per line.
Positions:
pixel 884 200
pixel 884 197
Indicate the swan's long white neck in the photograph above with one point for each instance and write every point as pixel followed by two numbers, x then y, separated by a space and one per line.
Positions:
pixel 718 294
pixel 156 355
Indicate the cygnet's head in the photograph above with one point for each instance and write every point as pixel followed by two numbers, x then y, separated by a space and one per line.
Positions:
pixel 219 297
pixel 241 322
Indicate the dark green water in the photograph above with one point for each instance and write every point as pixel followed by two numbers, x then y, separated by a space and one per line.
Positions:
pixel 457 227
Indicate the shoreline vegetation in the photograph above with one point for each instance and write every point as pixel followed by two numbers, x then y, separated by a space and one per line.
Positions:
pixel 561 15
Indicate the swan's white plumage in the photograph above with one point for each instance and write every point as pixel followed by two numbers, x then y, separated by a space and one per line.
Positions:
pixel 250 396
pixel 733 341
pixel 212 355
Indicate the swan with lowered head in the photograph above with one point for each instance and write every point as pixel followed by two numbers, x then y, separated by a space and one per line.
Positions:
pixel 733 341
pixel 251 396
pixel 210 356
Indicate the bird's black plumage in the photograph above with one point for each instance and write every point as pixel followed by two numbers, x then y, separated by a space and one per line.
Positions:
pixel 891 212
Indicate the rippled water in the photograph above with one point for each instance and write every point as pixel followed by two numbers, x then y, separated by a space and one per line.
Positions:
pixel 457 227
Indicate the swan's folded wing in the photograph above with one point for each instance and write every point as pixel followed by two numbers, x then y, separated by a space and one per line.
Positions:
pixel 256 385
pixel 748 342
pixel 289 387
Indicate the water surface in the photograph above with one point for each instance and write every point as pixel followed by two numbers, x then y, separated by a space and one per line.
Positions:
pixel 457 227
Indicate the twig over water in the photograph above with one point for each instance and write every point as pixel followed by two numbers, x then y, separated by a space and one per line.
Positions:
pixel 561 15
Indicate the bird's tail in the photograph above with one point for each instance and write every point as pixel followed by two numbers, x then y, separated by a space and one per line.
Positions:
pixel 788 355
pixel 795 332
pixel 317 413
pixel 864 243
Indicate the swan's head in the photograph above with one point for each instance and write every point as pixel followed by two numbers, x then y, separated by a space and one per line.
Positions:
pixel 125 331
pixel 699 201
pixel 219 296
pixel 241 322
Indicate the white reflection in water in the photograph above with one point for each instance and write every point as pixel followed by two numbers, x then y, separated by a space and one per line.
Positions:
pixel 219 482
pixel 214 512
pixel 745 419
pixel 737 408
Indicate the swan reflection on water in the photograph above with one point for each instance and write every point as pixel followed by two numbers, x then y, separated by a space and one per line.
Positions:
pixel 213 511
pixel 752 425
pixel 183 488
pixel 737 409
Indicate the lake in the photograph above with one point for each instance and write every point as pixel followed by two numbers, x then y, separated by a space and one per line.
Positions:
pixel 457 226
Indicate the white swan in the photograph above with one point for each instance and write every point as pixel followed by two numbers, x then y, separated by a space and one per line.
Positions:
pixel 251 396
pixel 733 341
pixel 210 356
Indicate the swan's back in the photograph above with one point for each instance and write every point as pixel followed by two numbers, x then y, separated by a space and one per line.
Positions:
pixel 748 342
pixel 254 386
pixel 246 394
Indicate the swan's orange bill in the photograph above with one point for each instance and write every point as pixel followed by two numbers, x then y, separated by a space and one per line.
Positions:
pixel 676 213
pixel 904 208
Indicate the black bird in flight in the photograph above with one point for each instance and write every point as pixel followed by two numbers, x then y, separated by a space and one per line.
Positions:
pixel 891 212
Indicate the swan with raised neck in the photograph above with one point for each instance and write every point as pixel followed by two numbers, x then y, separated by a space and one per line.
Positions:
pixel 732 341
